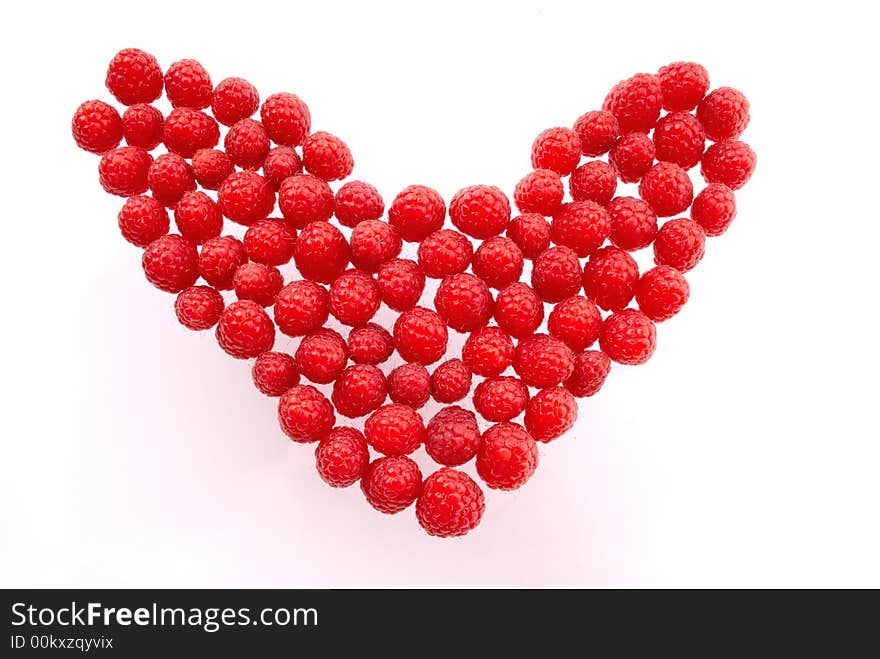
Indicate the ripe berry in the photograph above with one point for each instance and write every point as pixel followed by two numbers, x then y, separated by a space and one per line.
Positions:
pixel 370 344
pixel 301 307
pixel 661 293
pixel 581 225
pixel 257 282
pixel 304 199
pixel 198 307
pixel 123 171
pixel 731 163
pixel 597 132
pixel 500 398
pixel 327 157
pixel 188 85
pixel 321 356
pixel 171 263
pixel 636 102
pixel 463 302
pixel 198 217
pixel 269 242
pixel 359 390
pixel 246 197
pixel 543 361
pixel 134 76
pixel 488 351
pixel 142 220
pixel 593 181
pixel 680 243
pixel 234 99
pixel 281 163
pixel 679 138
pixel 684 84
pixel 632 156
pixel 576 322
pixel 550 413
pixel 416 212
pixel 286 118
pixel 590 370
pixel 410 384
pixel 274 373
pixel 395 429
pixel 452 436
pixel 211 167
pixel 321 252
pixel 556 273
pixel 558 149
pixel 187 130
pixel 391 484
pixel 420 335
pixel 724 114
pixel 667 188
pixel 245 330
pixel 610 278
pixel 342 457
pixel 357 201
pixel 400 283
pixel 354 298
pixel 498 262
pixel 540 191
pixel 247 143
pixel 143 126
pixel 481 211
pixel 531 233
pixel 305 413
pixel 633 223
pixel 451 504
pixel 169 177
pixel 628 337
pixel 445 252
pixel 714 208
pixel 507 457
pixel 219 259
pixel 518 310
pixel 451 381
pixel 96 127
pixel 372 243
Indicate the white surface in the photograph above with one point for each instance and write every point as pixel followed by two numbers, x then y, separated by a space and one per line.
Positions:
pixel 745 453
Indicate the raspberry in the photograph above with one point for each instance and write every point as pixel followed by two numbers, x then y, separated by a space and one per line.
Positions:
pixel 305 414
pixel 171 263
pixel 488 351
pixel 234 99
pixel 247 144
pixel 286 118
pixel 410 384
pixel 416 212
pixel 632 156
pixel 498 262
pixel 142 125
pixel 445 252
pixel 593 181
pixel 321 252
pixel 269 242
pixel 633 223
pixel 304 199
pixel 197 217
pixel 576 322
pixel 370 344
pixel 452 436
pixel 301 307
pixel 531 233
pixel 507 457
pixel 481 211
pixel 357 201
pixel 731 163
pixel 134 77
pixel 395 429
pixel 342 457
pixel 518 310
pixel 354 298
pixel 359 390
pixel 321 356
pixel 590 370
pixel 636 102
pixel 327 157
pixel 187 130
pixel 245 330
pixel 391 484
pixel 558 149
pixel 274 373
pixel 724 114
pixel 714 208
pixel 500 398
pixel 667 188
pixel 679 138
pixel 198 307
pixel 628 337
pixel 188 85
pixel 219 259
pixel 661 293
pixel 463 302
pixel 680 243
pixel 96 127
pixel 550 413
pixel 597 132
pixel 684 84
pixel 257 282
pixel 543 361
pixel 610 278
pixel 372 243
pixel 169 177
pixel 451 381
pixel 280 163
pixel 581 225
pixel 211 167
pixel 142 220
pixel 420 335
pixel 400 283
pixel 556 273
pixel 540 191
pixel 123 171
pixel 246 197
pixel 451 503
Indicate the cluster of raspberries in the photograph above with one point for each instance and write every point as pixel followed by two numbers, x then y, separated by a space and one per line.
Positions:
pixel 574 237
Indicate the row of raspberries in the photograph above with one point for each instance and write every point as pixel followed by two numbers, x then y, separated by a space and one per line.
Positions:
pixel 580 265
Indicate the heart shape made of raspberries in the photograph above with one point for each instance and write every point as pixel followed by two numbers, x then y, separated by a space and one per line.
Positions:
pixel 336 258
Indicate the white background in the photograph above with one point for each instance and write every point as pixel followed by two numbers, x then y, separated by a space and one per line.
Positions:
pixel 745 453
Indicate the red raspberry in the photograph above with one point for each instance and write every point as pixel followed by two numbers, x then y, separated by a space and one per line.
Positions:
pixel 280 163
pixel 684 84
pixel 96 127
pixel 451 504
pixel 301 307
pixel 420 335
pixel 661 293
pixel 445 252
pixel 187 130
pixel 481 211
pixel 667 188
pixel 498 262
pixel 395 429
pixel 636 102
pixel 576 322
pixel 357 201
pixel 714 208
pixel 452 436
pixel 508 456
pixel 246 197
pixel 169 177
pixel 123 171
pixel 197 217
pixel 632 156
pixel 582 225
pixel 597 132
pixel 134 77
pixel 372 243
pixel 628 337
pixel 400 283
pixel 556 273
pixel 247 144
pixel 286 118
pixel 724 114
pixel 198 307
pixel 610 278
pixel 633 223
pixel 354 298
pixel 593 181
pixel 211 167
pixel 731 163
pixel 321 252
pixel 558 149
pixel 540 191
pixel 518 310
pixel 305 414
pixel 327 157
pixel 391 484
pixel 143 126
pixel 269 242
pixel 321 356
pixel 680 243
pixel 219 259
pixel 531 233
pixel 257 282
pixel 234 99
pixel 188 85
pixel 451 381
pixel 359 390
pixel 410 384
pixel 488 351
pixel 142 220
pixel 463 302
pixel 550 413
pixel 416 212
pixel 370 344
pixel 245 330
pixel 274 373
pixel 171 263
pixel 590 370
pixel 304 199
pixel 500 398
pixel 679 138
pixel 543 361
pixel 342 457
